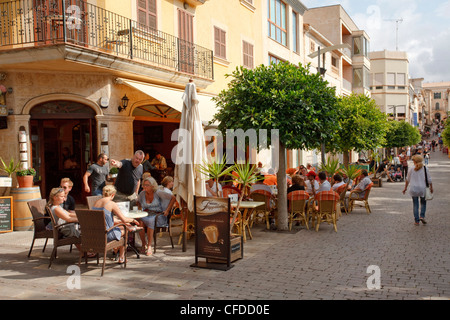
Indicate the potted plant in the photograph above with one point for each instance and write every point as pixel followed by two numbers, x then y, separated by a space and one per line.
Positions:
pixel 9 169
pixel 25 177
pixel 330 167
pixel 113 172
pixel 215 169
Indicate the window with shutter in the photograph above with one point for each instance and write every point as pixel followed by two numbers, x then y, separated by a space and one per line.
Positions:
pixel 147 13
pixel 247 54
pixel 220 43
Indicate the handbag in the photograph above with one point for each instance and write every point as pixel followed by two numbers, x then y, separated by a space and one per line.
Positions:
pixel 428 193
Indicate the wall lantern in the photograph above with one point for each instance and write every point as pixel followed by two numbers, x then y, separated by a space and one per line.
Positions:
pixel 124 103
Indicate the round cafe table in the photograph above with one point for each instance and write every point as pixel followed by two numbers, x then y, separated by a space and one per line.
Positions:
pixel 134 214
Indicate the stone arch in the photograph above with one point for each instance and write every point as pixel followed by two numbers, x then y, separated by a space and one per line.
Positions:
pixel 30 104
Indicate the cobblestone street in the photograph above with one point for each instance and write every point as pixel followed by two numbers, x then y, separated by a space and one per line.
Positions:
pixel 413 261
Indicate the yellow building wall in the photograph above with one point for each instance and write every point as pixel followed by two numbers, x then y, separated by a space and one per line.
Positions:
pixel 240 23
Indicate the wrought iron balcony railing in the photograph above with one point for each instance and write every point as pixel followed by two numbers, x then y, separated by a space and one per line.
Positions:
pixel 27 23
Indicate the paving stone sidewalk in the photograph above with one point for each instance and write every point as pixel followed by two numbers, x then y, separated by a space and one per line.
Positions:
pixel 413 262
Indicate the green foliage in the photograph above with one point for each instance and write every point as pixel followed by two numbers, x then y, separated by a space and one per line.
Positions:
pixel 26 172
pixel 331 167
pixel 351 171
pixel 113 170
pixel 362 125
pixel 215 168
pixel 279 96
pixel 246 176
pixel 446 133
pixel 401 134
pixel 9 168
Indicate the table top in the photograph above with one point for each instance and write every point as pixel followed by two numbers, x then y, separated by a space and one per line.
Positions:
pixel 248 204
pixel 136 214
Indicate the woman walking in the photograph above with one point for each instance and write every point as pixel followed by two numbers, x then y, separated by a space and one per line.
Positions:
pixel 416 181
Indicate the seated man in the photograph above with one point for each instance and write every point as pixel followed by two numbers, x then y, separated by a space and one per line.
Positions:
pixel 324 185
pixel 337 182
pixel 360 187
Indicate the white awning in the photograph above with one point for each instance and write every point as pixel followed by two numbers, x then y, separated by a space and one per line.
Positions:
pixel 173 97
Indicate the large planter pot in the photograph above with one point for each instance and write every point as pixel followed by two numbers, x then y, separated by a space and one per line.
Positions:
pixel 25 181
pixel 376 182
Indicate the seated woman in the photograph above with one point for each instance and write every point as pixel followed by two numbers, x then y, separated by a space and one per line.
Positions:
pixel 149 201
pixel 61 216
pixel 298 183
pixel 166 196
pixel 109 207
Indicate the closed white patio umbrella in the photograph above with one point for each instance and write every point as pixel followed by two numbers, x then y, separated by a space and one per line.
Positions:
pixel 189 154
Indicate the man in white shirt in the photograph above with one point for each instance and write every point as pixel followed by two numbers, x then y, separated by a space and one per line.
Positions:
pixel 311 183
pixel 324 184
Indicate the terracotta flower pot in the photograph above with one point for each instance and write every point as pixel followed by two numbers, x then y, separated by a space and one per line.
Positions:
pixel 25 181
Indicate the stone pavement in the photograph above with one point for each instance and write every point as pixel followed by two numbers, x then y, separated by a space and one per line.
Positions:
pixel 413 262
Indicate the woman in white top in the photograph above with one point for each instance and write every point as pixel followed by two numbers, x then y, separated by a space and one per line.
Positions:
pixel 212 188
pixel 416 181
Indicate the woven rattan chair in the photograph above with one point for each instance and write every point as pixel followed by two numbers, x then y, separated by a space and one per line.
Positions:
pixel 354 197
pixel 326 209
pixel 342 191
pixel 266 209
pixel 166 228
pixel 58 240
pixel 93 224
pixel 91 200
pixel 40 221
pixel 298 207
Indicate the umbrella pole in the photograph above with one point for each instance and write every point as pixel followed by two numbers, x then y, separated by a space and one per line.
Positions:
pixel 185 222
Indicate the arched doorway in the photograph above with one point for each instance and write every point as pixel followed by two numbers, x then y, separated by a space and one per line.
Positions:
pixel 152 129
pixel 63 143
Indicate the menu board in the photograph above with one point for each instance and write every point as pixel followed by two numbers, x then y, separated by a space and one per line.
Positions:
pixel 212 230
pixel 6 214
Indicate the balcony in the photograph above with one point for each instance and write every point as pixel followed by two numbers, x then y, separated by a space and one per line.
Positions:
pixel 85 29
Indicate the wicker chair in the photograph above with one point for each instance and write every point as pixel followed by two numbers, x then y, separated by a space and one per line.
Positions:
pixel 266 209
pixel 58 240
pixel 91 200
pixel 298 207
pixel 166 228
pixel 342 191
pixel 93 224
pixel 226 190
pixel 326 209
pixel 352 199
pixel 40 221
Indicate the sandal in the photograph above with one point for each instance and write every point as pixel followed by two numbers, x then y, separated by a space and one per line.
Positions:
pixel 144 249
pixel 149 251
pixel 122 260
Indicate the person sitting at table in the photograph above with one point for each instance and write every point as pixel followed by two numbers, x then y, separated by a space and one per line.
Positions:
pixel 338 181
pixel 324 185
pixel 270 178
pixel 259 185
pixel 111 210
pixel 312 185
pixel 165 194
pixel 159 162
pixel 61 215
pixel 212 188
pixel 149 201
pixel 309 167
pixel 298 183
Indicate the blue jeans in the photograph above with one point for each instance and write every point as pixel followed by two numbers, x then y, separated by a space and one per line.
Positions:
pixel 423 208
pixel 97 192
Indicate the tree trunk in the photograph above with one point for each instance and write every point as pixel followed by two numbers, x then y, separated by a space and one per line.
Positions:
pixel 346 155
pixel 282 190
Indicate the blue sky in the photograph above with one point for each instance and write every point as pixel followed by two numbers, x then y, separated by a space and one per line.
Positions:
pixel 424 32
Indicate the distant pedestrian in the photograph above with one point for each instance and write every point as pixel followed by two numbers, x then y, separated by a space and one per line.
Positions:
pixel 416 181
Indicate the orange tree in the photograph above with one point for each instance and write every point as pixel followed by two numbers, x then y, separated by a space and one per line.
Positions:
pixel 362 126
pixel 279 96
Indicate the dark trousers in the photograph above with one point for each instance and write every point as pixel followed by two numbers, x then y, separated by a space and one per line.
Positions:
pixel 404 171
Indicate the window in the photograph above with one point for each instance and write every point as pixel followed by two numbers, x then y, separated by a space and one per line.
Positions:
pixel 312 46
pixel 437 105
pixel 277 21
pixel 390 80
pixel 147 13
pixel 378 80
pixel 357 78
pixel 220 43
pixel 437 95
pixel 274 59
pixel 361 46
pixel 247 54
pixel 401 79
pixel 295 42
